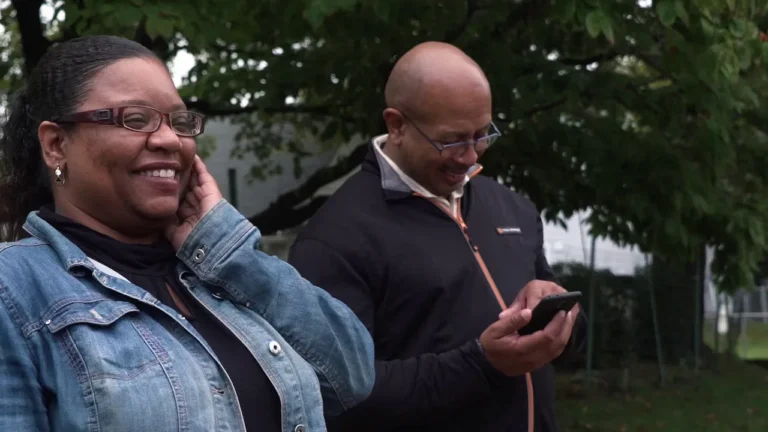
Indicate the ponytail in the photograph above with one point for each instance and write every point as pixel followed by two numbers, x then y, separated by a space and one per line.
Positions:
pixel 24 184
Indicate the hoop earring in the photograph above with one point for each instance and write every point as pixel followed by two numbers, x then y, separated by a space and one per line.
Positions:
pixel 59 175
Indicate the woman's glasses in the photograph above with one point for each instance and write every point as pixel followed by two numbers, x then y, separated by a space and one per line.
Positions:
pixel 140 119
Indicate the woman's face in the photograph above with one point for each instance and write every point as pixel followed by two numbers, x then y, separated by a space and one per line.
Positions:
pixel 117 177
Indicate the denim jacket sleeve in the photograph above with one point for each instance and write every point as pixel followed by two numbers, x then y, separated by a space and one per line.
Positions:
pixel 223 250
pixel 21 398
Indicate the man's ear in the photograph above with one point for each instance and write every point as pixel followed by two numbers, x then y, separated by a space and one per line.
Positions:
pixel 395 125
pixel 53 141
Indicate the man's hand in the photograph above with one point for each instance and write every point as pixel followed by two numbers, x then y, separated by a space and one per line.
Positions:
pixel 515 355
pixel 531 294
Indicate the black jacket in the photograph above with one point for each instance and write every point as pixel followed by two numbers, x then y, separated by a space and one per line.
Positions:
pixel 407 270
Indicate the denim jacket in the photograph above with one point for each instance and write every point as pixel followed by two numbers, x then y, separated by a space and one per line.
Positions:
pixel 83 349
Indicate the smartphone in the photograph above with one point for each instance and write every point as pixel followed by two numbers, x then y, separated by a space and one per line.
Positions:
pixel 547 308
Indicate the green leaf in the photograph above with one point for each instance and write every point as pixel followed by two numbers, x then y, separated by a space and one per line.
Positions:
pixel 744 53
pixel 667 12
pixel 157 26
pixel 682 13
pixel 731 4
pixel 593 23
pixel 318 10
pixel 598 22
pixel 608 32
pixel 738 27
pixel 129 13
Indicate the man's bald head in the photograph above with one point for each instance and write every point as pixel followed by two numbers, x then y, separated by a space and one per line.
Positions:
pixel 425 74
pixel 436 95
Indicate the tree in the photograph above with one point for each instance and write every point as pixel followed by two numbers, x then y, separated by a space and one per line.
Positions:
pixel 646 115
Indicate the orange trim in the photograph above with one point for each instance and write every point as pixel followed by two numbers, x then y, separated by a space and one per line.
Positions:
pixel 476 172
pixel 476 252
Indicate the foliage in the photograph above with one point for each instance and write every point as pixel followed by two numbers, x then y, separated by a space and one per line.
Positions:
pixel 615 313
pixel 649 115
pixel 623 320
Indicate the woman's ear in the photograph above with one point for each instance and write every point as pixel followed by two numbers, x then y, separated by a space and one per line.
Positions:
pixel 52 144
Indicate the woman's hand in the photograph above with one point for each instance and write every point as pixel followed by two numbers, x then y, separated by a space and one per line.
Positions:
pixel 202 195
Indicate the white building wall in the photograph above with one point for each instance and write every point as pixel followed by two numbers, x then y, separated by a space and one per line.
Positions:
pixel 256 196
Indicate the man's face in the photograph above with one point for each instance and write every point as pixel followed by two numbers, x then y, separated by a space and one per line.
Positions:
pixel 458 114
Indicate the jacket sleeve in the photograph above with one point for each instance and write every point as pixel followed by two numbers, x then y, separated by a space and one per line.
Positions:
pixel 544 272
pixel 22 407
pixel 223 250
pixel 407 391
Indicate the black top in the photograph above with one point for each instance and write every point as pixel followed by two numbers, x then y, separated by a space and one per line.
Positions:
pixel 151 267
pixel 407 271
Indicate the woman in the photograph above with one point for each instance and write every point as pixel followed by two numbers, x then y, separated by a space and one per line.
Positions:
pixel 127 311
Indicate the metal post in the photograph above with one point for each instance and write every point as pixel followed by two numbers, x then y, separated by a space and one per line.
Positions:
pixel 232 177
pixel 656 329
pixel 716 324
pixel 698 296
pixel 592 312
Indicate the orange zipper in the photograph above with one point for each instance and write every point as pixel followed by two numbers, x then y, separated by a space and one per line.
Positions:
pixel 476 252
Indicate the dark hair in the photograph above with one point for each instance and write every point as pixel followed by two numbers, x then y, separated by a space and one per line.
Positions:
pixel 57 86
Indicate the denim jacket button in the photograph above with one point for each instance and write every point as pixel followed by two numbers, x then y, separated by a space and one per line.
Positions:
pixel 300 428
pixel 198 256
pixel 275 349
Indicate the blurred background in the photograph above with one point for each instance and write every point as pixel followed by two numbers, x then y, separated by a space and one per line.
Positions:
pixel 637 127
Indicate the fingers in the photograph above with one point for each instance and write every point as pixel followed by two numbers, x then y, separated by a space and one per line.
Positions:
pixel 544 339
pixel 535 290
pixel 565 334
pixel 203 176
pixel 513 320
pixel 510 311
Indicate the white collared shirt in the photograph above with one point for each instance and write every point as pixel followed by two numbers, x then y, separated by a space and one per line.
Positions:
pixel 451 203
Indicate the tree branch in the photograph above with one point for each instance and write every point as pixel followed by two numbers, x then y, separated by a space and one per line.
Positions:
pixel 568 61
pixel 158 45
pixel 283 214
pixel 33 41
pixel 319 110
pixel 543 107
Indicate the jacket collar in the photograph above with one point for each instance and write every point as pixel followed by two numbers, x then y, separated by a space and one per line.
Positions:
pixel 70 255
pixel 394 187
pixel 77 263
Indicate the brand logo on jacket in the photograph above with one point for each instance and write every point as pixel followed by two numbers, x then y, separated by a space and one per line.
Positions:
pixel 508 231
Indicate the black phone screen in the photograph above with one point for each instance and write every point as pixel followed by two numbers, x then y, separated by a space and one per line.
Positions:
pixel 547 308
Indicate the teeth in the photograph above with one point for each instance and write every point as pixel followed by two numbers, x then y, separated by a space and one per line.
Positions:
pixel 164 173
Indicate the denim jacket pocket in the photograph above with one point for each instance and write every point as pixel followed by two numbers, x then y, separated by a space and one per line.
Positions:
pixel 126 375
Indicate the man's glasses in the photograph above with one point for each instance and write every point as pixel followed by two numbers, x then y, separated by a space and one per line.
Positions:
pixel 457 149
pixel 140 119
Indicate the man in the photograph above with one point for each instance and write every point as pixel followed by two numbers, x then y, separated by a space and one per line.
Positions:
pixel 427 254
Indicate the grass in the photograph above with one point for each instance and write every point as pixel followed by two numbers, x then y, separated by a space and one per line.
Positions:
pixel 733 398
pixel 752 344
